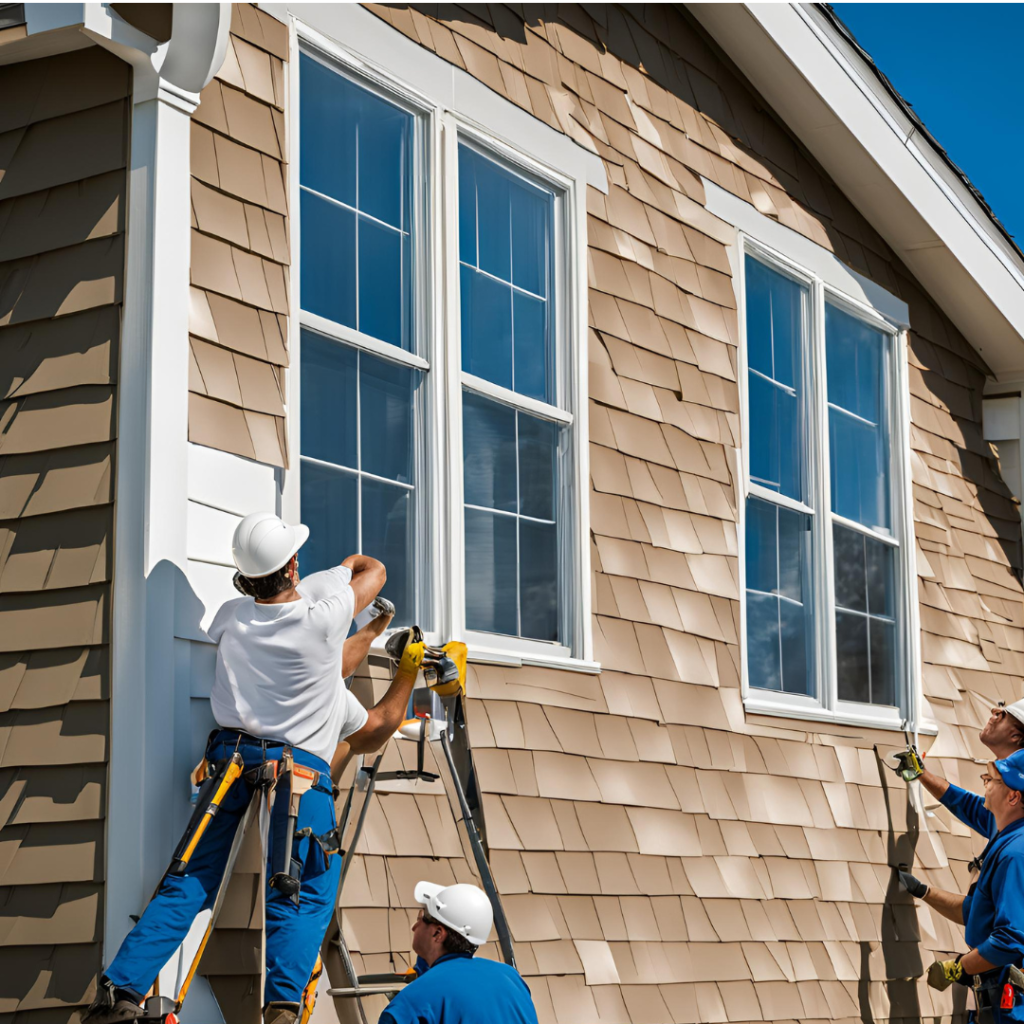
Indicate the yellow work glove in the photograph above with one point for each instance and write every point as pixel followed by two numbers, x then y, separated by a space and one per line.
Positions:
pixel 451 677
pixel 944 973
pixel 407 648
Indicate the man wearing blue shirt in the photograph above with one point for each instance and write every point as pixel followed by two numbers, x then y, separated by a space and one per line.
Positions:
pixel 1003 734
pixel 992 912
pixel 453 987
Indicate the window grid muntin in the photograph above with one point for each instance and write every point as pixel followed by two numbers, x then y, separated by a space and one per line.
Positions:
pixel 818 442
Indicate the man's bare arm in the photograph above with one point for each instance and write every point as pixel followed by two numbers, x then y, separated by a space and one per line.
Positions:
pixel 935 784
pixel 949 904
pixel 357 646
pixel 974 963
pixel 368 576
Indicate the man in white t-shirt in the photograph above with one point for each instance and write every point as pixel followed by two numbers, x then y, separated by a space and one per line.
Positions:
pixel 282 657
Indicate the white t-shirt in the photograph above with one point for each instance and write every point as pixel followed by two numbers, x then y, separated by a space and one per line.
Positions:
pixel 279 666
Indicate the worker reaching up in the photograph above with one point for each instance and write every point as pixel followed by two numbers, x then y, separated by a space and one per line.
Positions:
pixel 280 700
pixel 1003 734
pixel 453 987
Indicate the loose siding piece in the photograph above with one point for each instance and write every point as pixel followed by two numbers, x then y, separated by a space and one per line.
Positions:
pixel 240 247
pixel 63 145
pixel 661 856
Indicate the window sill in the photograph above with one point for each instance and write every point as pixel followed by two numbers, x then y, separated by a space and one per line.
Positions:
pixel 483 655
pixel 813 712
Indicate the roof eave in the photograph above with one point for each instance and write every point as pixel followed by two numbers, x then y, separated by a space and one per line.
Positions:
pixel 831 99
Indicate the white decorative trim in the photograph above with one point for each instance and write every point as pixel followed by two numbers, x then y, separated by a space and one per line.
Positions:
pixel 805 253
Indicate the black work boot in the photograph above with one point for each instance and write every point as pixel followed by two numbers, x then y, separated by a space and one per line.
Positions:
pixel 280 1013
pixel 111 1006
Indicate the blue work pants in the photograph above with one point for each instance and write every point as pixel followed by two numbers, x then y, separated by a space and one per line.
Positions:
pixel 293 933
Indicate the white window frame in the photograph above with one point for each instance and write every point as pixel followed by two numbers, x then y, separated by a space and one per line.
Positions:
pixel 460 109
pixel 828 280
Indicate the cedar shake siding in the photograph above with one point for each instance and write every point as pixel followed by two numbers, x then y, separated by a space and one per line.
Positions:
pixel 63 145
pixel 238 319
pixel 663 855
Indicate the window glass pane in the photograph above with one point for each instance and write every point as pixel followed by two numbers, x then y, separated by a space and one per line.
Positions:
pixel 328 410
pixel 329 508
pixel 512 467
pixel 779 614
pixel 491 572
pixel 356 149
pixel 865 592
pixel 328 272
pixel 530 217
pixel 489 453
pixel 506 228
pixel 486 307
pixel 858 422
pixel 326 153
pixel 537 448
pixel 381 290
pixel 775 330
pixel 386 418
pixel 538 580
pixel 530 327
pixel 387 524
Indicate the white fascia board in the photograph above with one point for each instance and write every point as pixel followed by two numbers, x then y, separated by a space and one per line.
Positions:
pixel 365 35
pixel 939 231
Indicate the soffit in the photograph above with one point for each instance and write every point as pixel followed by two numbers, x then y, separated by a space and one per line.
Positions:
pixel 824 92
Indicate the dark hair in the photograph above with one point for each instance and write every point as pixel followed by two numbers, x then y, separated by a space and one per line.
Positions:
pixel 264 587
pixel 453 941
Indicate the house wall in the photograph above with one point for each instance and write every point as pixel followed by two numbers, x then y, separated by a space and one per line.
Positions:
pixel 662 855
pixel 63 145
pixel 238 320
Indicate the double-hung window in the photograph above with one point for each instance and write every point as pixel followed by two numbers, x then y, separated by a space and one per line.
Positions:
pixel 512 424
pixel 362 377
pixel 825 565
pixel 438 387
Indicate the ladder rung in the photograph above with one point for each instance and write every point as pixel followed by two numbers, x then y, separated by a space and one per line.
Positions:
pixel 369 990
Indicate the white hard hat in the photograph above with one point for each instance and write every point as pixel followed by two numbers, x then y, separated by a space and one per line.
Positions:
pixel 1016 709
pixel 263 543
pixel 463 908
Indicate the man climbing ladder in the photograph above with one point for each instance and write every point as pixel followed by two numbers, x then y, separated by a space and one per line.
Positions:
pixel 281 702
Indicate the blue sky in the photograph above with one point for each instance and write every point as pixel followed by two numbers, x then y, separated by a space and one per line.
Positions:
pixel 959 66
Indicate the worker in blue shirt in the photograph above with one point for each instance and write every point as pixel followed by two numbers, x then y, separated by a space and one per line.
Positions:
pixel 1003 734
pixel 992 912
pixel 453 987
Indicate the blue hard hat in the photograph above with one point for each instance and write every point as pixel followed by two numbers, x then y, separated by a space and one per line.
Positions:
pixel 1012 769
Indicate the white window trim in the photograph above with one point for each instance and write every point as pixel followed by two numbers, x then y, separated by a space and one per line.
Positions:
pixel 828 278
pixel 453 108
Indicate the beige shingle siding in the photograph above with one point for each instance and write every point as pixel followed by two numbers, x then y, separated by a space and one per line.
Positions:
pixel 63 145
pixel 663 857
pixel 240 247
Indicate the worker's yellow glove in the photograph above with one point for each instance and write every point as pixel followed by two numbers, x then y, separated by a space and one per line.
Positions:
pixel 450 673
pixel 944 973
pixel 407 648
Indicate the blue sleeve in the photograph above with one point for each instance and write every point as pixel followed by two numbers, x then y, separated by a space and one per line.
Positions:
pixel 1005 944
pixel 386 1018
pixel 970 809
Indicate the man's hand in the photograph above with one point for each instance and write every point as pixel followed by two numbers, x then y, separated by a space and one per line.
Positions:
pixel 913 885
pixel 944 973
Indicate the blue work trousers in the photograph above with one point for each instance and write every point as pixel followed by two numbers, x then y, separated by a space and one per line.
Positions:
pixel 293 933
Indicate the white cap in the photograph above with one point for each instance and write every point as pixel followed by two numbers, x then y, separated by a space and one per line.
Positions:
pixel 464 909
pixel 1016 709
pixel 263 543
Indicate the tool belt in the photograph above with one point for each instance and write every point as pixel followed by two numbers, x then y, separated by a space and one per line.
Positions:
pixel 215 779
pixel 994 992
